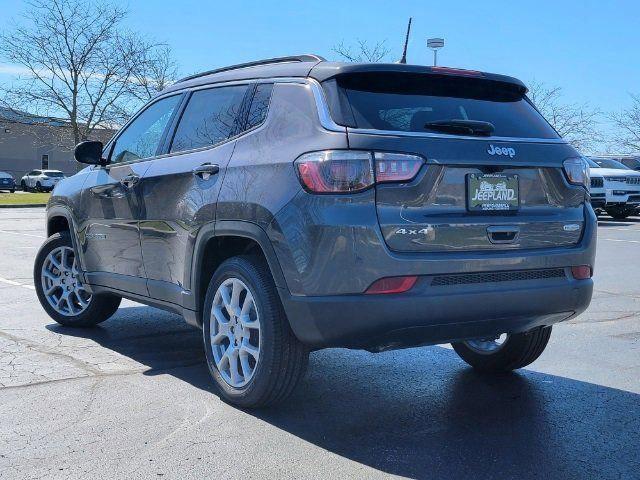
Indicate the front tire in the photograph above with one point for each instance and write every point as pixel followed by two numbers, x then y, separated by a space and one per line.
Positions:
pixel 38 187
pixel 253 356
pixel 60 290
pixel 516 351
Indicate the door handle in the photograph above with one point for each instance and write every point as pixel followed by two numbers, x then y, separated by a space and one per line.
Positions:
pixel 205 170
pixel 503 234
pixel 130 180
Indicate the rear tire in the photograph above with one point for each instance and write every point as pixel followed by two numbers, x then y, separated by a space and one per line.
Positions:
pixel 78 309
pixel 38 187
pixel 518 351
pixel 23 185
pixel 256 322
pixel 619 213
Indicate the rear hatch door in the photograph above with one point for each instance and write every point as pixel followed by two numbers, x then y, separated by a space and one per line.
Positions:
pixel 499 188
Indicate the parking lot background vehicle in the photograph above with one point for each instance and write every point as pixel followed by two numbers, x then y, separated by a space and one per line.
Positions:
pixel 622 186
pixel 7 182
pixel 296 204
pixel 597 190
pixel 41 180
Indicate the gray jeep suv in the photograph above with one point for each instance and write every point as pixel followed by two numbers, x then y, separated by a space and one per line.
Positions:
pixel 294 204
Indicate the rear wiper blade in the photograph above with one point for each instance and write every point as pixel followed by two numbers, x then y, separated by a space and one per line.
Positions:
pixel 461 127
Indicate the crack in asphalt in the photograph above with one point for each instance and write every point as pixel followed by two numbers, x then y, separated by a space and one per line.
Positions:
pixel 37 347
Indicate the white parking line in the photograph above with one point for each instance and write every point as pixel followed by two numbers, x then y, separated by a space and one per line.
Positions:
pixel 620 240
pixel 23 234
pixel 622 229
pixel 16 284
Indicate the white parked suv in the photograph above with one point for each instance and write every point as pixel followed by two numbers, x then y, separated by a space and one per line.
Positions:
pixel 597 191
pixel 622 186
pixel 41 180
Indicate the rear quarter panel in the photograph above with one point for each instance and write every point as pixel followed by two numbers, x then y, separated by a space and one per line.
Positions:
pixel 260 178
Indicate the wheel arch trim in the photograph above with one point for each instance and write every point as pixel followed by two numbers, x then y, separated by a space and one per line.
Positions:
pixel 229 228
pixel 65 212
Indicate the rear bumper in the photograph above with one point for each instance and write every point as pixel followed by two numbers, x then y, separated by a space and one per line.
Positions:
pixel 435 314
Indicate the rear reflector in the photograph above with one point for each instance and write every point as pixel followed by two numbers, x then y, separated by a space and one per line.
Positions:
pixel 581 272
pixel 392 285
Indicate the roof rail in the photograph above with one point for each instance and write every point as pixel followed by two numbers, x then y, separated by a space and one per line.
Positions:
pixel 293 58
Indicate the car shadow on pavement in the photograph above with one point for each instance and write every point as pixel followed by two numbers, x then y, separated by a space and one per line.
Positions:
pixel 418 413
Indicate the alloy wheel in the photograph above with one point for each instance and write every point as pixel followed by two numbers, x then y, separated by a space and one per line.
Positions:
pixel 235 332
pixel 487 346
pixel 61 283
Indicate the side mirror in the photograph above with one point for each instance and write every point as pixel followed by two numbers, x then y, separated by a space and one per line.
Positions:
pixel 89 152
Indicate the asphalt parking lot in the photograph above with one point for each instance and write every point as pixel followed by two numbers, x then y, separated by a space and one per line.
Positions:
pixel 132 399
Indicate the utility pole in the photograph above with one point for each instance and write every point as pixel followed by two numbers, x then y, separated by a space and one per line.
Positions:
pixel 406 43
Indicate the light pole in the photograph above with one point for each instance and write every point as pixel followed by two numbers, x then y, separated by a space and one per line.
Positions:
pixel 435 44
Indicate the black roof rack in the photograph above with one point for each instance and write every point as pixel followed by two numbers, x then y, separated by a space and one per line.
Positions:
pixel 293 58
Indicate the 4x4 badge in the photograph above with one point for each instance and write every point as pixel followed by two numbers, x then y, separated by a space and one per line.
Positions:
pixel 511 152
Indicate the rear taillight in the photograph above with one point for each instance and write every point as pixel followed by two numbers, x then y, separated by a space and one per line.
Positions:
pixel 577 172
pixel 352 171
pixel 396 167
pixel 335 171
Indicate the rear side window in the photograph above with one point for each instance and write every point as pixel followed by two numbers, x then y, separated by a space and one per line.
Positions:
pixel 407 102
pixel 209 118
pixel 259 105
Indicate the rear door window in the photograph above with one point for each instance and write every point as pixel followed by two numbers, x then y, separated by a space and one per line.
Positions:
pixel 209 118
pixel 407 102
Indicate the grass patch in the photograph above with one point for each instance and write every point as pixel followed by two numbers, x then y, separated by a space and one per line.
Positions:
pixel 23 198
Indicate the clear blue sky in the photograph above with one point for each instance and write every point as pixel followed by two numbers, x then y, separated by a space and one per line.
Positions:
pixel 589 48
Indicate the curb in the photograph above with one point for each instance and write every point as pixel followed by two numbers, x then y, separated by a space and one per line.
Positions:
pixel 26 205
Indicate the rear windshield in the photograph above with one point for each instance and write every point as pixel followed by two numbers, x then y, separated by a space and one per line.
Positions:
pixel 50 173
pixel 407 102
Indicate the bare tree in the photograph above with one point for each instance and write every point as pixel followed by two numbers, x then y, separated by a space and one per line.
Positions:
pixel 81 65
pixel 155 72
pixel 577 123
pixel 627 135
pixel 363 52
